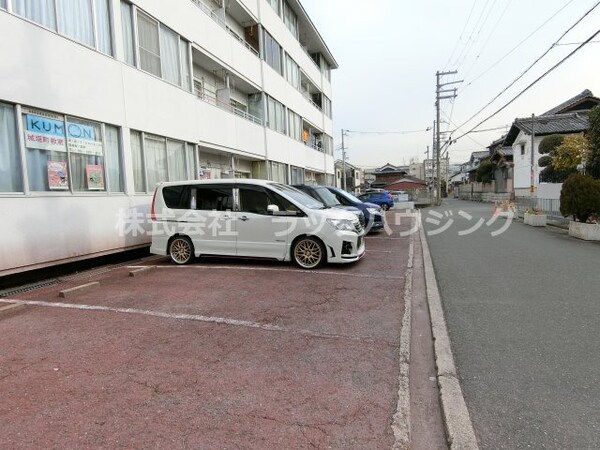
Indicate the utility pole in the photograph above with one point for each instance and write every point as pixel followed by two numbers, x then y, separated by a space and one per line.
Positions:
pixel 438 97
pixel 532 184
pixel 429 186
pixel 343 161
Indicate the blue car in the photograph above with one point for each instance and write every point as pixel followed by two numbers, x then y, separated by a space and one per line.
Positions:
pixel 373 213
pixel 379 197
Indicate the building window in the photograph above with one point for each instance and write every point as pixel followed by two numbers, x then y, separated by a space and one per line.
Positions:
pixel 275 5
pixel 75 19
pixel 272 53
pixel 160 159
pixel 295 126
pixel 128 37
pixel 84 143
pixel 327 106
pixel 292 72
pixel 290 19
pixel 297 175
pixel 522 149
pixel 70 154
pixel 3 4
pixel 169 55
pixel 279 172
pixel 185 65
pixel 42 12
pixel 11 179
pixel 149 44
pixel 137 157
pixel 276 115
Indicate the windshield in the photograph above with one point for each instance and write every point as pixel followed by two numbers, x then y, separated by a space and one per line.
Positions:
pixel 349 196
pixel 327 197
pixel 298 196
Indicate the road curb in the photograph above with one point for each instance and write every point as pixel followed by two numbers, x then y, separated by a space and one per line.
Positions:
pixel 8 310
pixel 459 428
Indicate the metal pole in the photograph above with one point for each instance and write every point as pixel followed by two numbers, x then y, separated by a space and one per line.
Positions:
pixel 429 186
pixel 532 184
pixel 343 162
pixel 437 147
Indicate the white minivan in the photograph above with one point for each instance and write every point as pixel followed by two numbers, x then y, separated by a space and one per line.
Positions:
pixel 251 218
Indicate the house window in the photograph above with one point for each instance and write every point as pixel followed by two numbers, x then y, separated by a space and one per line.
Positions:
pixel 74 19
pixel 10 160
pixel 297 175
pixel 272 53
pixel 522 149
pixel 169 55
pixel 3 4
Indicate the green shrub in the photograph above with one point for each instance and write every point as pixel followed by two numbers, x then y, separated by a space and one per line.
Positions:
pixel 549 143
pixel 485 172
pixel 545 161
pixel 593 163
pixel 580 197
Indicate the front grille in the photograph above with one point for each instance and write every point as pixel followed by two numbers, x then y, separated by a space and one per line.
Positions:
pixel 346 248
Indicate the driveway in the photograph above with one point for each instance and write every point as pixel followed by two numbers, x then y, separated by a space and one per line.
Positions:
pixel 217 354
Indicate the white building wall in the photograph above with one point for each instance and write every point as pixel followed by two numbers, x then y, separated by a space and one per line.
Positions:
pixel 48 71
pixel 522 164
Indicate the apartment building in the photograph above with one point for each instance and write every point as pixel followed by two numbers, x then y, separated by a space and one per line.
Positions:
pixel 102 99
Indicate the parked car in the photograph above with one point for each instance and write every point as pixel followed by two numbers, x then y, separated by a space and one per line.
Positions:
pixel 251 218
pixel 326 197
pixel 374 220
pixel 380 197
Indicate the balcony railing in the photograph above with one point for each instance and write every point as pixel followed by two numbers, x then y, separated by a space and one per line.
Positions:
pixel 228 107
pixel 223 25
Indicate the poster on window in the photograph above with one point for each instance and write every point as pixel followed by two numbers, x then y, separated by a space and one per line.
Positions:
pixel 58 177
pixel 45 133
pixel 83 139
pixel 95 177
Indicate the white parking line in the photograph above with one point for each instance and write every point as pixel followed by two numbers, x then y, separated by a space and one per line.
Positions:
pixel 197 318
pixel 274 269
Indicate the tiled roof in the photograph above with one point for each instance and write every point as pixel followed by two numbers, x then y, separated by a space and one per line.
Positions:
pixel 545 125
pixel 480 155
pixel 571 102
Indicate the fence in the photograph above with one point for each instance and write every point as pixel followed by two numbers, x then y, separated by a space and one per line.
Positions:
pixel 550 206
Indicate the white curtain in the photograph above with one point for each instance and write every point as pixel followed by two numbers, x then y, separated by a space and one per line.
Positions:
pixel 127 27
pixel 103 26
pixel 10 162
pixel 185 65
pixel 169 55
pixel 156 161
pixel 3 4
pixel 139 181
pixel 176 160
pixel 113 159
pixel 75 20
pixel 149 44
pixel 191 162
pixel 40 11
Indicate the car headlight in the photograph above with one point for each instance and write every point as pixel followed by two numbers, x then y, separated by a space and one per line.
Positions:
pixel 374 210
pixel 341 224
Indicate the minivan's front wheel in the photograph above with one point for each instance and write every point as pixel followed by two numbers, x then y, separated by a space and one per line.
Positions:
pixel 308 253
pixel 181 250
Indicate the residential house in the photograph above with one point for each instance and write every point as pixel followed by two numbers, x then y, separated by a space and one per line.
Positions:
pixel 570 117
pixel 355 178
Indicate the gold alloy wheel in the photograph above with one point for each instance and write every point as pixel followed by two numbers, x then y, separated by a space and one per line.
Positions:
pixel 308 254
pixel 181 250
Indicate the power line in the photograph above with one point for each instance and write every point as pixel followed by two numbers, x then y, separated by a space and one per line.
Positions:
pixel 516 47
pixel 459 40
pixel 531 66
pixel 530 85
pixel 469 44
pixel 389 132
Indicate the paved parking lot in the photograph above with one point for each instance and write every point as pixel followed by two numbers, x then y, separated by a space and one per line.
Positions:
pixel 217 354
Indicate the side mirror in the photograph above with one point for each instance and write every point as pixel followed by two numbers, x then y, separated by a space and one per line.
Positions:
pixel 272 209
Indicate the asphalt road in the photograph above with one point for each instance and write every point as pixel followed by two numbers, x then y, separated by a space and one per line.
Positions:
pixel 523 313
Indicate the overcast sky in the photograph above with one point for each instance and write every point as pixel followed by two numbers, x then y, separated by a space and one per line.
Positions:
pixel 389 51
